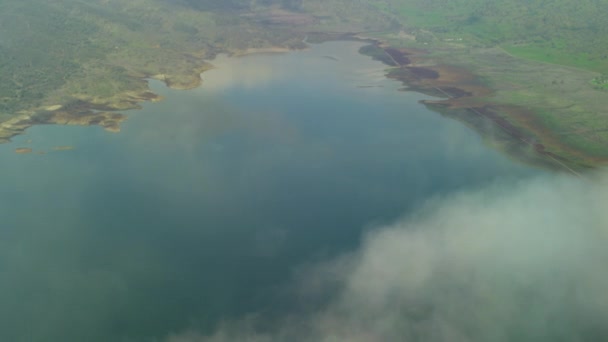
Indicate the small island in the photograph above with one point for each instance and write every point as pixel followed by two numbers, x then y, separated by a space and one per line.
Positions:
pixel 23 150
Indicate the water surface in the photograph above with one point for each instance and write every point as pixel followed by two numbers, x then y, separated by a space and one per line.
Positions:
pixel 205 204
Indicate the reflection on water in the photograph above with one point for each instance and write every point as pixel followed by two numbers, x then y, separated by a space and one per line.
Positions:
pixel 207 202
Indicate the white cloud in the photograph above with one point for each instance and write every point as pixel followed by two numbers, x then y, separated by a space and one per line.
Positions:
pixel 519 263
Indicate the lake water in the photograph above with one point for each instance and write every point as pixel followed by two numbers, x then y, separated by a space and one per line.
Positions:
pixel 206 203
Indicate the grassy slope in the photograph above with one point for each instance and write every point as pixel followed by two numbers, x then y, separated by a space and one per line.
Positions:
pixel 518 48
pixel 58 52
pixel 559 31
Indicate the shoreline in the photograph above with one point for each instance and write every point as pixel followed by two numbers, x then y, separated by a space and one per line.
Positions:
pixel 461 91
pixel 106 113
pixel 464 97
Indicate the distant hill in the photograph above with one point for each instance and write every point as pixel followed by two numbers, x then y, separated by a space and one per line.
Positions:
pixel 559 31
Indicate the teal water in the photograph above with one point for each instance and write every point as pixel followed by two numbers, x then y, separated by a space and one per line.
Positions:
pixel 205 204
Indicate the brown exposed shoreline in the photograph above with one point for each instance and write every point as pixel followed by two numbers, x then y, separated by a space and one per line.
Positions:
pixel 77 112
pixel 466 98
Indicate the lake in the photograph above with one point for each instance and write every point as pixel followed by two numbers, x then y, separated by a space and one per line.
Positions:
pixel 206 203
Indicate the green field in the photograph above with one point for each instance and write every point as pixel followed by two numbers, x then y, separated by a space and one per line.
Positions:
pixel 558 56
pixel 561 31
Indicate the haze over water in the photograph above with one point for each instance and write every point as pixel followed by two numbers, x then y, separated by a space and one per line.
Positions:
pixel 205 204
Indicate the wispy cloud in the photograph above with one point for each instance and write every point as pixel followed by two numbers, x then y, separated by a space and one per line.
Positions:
pixel 239 72
pixel 518 263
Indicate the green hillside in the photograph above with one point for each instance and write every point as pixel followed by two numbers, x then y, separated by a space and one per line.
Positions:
pixel 566 32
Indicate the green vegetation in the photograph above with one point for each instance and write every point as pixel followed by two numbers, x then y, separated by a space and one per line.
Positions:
pixel 566 32
pixel 600 82
pixel 96 54
pixel 60 51
pixel 544 58
pixel 549 54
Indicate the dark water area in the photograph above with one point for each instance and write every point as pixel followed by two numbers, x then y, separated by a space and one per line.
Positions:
pixel 205 204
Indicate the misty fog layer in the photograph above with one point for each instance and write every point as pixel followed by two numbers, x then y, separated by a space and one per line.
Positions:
pixel 507 263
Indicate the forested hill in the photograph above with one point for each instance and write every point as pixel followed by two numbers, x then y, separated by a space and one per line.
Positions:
pixel 59 51
pixel 55 52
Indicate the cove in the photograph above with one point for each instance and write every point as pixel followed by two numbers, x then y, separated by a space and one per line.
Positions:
pixel 206 203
